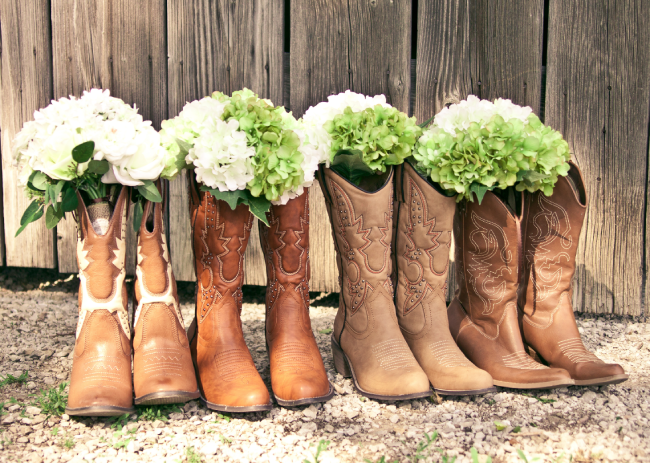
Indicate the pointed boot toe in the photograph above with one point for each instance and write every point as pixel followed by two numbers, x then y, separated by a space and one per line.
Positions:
pixel 599 374
pixel 302 390
pixel 464 381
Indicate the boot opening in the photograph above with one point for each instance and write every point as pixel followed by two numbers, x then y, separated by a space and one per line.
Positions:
pixel 575 180
pixel 374 183
pixel 100 210
pixel 511 198
pixel 149 223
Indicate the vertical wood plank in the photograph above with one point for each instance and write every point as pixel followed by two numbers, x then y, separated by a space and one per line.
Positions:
pixel 487 48
pixel 225 46
pixel 598 62
pixel 26 87
pixel 338 45
pixel 110 45
pixel 2 225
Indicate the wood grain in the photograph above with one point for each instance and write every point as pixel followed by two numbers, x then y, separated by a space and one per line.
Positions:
pixel 598 59
pixel 109 44
pixel 224 45
pixel 26 87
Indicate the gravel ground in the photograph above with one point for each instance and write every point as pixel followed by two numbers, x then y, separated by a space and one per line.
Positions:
pixel 38 321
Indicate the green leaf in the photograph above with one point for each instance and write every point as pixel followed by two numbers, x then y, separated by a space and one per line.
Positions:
pixel 479 190
pixel 98 167
pixel 54 192
pixel 39 180
pixel 424 124
pixel 33 212
pixel 349 165
pixel 258 206
pixel 138 212
pixel 500 426
pixel 150 191
pixel 52 217
pixel 516 429
pixel 69 202
pixel 83 152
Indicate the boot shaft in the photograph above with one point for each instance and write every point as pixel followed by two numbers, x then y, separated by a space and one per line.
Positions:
pixel 220 237
pixel 550 233
pixel 362 227
pixel 422 243
pixel 487 261
pixel 101 263
pixel 285 245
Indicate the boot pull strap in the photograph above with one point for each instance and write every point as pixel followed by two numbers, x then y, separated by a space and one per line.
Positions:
pixel 323 185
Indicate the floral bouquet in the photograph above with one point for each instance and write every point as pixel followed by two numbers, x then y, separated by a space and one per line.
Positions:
pixel 359 135
pixel 477 146
pixel 87 145
pixel 242 149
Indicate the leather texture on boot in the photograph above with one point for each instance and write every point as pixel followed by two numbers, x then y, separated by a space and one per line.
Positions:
pixel 550 234
pixel 297 372
pixel 483 315
pixel 101 368
pixel 163 371
pixel 425 221
pixel 227 377
pixel 367 342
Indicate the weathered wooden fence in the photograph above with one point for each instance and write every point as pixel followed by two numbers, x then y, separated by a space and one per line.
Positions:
pixel 583 65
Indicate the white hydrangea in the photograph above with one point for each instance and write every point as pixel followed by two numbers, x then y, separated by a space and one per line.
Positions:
pixel 221 157
pixel 316 137
pixel 130 145
pixel 473 109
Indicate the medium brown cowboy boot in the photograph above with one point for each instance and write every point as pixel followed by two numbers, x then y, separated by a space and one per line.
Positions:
pixel 550 233
pixel 367 343
pixel 297 372
pixel 163 372
pixel 227 377
pixel 425 219
pixel 101 368
pixel 483 315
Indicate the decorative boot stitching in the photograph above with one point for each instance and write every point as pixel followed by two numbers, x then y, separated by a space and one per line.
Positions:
pixel 564 298
pixel 347 219
pixel 447 355
pixel 575 351
pixel 489 240
pixel 235 364
pixel 551 224
pixel 274 223
pixel 294 357
pixel 417 213
pixel 520 360
pixel 115 302
pixel 393 354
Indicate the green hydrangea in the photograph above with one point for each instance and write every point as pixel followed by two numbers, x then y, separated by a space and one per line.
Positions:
pixel 277 163
pixel 498 154
pixel 383 135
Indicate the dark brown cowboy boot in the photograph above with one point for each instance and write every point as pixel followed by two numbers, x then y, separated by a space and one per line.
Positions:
pixel 227 377
pixel 101 369
pixel 425 219
pixel 483 315
pixel 163 372
pixel 297 372
pixel 367 343
pixel 550 233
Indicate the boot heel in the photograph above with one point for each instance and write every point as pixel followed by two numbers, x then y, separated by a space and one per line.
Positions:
pixel 340 362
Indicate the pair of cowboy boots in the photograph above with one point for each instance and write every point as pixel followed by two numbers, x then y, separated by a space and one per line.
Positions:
pixel 527 247
pixel 394 344
pixel 227 376
pixel 102 383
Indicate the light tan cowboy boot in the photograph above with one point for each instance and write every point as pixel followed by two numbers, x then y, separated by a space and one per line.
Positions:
pixel 163 372
pixel 425 220
pixel 367 343
pixel 101 369
pixel 550 233
pixel 227 377
pixel 297 372
pixel 483 315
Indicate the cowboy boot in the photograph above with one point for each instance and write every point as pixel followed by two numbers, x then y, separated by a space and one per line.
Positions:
pixel 297 372
pixel 101 368
pixel 367 343
pixel 163 372
pixel 425 218
pixel 550 234
pixel 483 315
pixel 227 377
